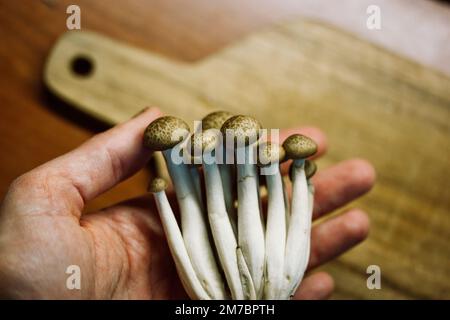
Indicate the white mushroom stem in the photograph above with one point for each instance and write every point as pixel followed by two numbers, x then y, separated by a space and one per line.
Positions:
pixel 194 229
pixel 246 277
pixel 196 180
pixel 275 234
pixel 297 243
pixel 226 175
pixel 310 209
pixel 214 121
pixel 261 213
pixel 308 245
pixel 221 229
pixel 311 191
pixel 251 233
pixel 286 204
pixel 177 248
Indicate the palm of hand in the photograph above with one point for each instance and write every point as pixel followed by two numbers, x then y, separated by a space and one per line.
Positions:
pixel 121 250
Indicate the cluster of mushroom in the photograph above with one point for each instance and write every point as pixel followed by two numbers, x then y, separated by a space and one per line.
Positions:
pixel 227 246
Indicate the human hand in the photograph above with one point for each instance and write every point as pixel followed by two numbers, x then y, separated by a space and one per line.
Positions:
pixel 121 250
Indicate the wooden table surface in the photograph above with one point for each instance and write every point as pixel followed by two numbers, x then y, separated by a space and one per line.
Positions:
pixel 36 127
pixel 28 30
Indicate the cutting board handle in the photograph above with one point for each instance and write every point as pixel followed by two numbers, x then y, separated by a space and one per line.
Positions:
pixel 112 81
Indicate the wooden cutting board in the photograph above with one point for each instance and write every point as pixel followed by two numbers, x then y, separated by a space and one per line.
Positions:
pixel 371 103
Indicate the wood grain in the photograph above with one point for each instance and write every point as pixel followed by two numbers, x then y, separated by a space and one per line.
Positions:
pixel 371 103
pixel 382 107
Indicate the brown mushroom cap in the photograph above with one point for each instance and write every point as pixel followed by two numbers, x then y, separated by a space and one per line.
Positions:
pixel 215 120
pixel 270 152
pixel 244 128
pixel 310 168
pixel 157 185
pixel 158 134
pixel 298 146
pixel 205 141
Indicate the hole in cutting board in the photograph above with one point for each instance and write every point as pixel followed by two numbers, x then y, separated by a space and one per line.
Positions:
pixel 82 66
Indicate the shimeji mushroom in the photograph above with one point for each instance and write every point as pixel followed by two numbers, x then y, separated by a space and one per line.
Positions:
pixel 164 134
pixel 215 120
pixel 175 240
pixel 243 131
pixel 270 155
pixel 221 228
pixel 310 170
pixel 298 148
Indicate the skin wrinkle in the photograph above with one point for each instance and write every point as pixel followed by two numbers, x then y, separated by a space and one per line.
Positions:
pixel 153 284
pixel 133 238
pixel 117 166
pixel 123 273
pixel 145 202
pixel 91 240
pixel 93 244
pixel 168 267
pixel 157 243
pixel 89 179
pixel 102 246
pixel 98 247
pixel 61 182
pixel 127 263
pixel 79 203
pixel 52 204
pixel 154 231
pixel 159 282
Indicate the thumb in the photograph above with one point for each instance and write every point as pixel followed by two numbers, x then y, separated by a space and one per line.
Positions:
pixel 70 180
